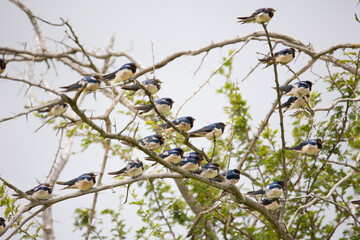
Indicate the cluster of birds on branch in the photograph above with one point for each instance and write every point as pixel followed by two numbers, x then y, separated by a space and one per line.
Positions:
pixel 299 93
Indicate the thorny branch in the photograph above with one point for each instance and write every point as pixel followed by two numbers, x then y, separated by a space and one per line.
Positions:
pixel 67 58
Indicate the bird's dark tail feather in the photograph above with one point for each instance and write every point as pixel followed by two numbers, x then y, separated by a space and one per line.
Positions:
pixel 131 87
pixel 258 192
pixel 44 110
pixel 109 76
pixel 61 183
pixel 72 87
pixel 285 88
pixel 193 135
pixel 143 107
pixel 293 148
pixel 117 172
pixel 245 19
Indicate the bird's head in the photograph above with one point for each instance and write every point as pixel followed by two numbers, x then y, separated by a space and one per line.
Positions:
pixel 319 141
pixel 281 183
pixel 3 63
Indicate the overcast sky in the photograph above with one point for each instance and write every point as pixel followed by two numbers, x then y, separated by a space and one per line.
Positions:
pixel 168 26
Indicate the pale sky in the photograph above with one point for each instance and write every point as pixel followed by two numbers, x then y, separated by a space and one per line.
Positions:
pixel 168 26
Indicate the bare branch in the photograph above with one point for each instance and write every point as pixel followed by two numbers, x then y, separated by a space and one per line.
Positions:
pixel 292 219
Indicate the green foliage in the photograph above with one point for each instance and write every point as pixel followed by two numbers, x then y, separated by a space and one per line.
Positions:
pixel 28 231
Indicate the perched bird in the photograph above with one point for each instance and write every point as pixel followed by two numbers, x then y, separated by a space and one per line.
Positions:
pixel 2 224
pixel 82 183
pixel 309 147
pixel 92 83
pixel 196 154
pixel 270 204
pixel 298 89
pixel 211 131
pixel 122 74
pixel 150 142
pixel 284 56
pixel 171 156
pixel 209 170
pixel 190 163
pixel 183 123
pixel 163 105
pixel 295 102
pixel 261 15
pixel 132 169
pixel 233 175
pixel 55 109
pixel 271 191
pixel 43 191
pixel 3 63
pixel 356 202
pixel 152 85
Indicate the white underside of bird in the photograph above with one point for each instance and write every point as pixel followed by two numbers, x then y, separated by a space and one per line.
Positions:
pixel 190 167
pixel 134 172
pixel 284 58
pixel 57 110
pixel 163 108
pixel 209 173
pixel 298 92
pixel 41 194
pixel 83 185
pixel 152 145
pixel 92 87
pixel 173 159
pixel 262 18
pixel 310 149
pixel 216 133
pixel 272 206
pixel 233 181
pixel 274 193
pixel 122 76
pixel 299 103
pixel 151 88
pixel 184 126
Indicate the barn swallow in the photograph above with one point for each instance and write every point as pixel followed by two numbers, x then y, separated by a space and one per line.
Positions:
pixel 270 204
pixel 2 224
pixel 82 183
pixel 92 83
pixel 190 163
pixel 309 147
pixel 171 156
pixel 271 191
pixel 152 85
pixel 122 74
pixel 298 89
pixel 295 103
pixel 163 105
pixel 3 63
pixel 283 57
pixel 183 124
pixel 150 142
pixel 233 175
pixel 55 109
pixel 132 169
pixel 209 170
pixel 261 15
pixel 41 192
pixel 196 154
pixel 211 131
